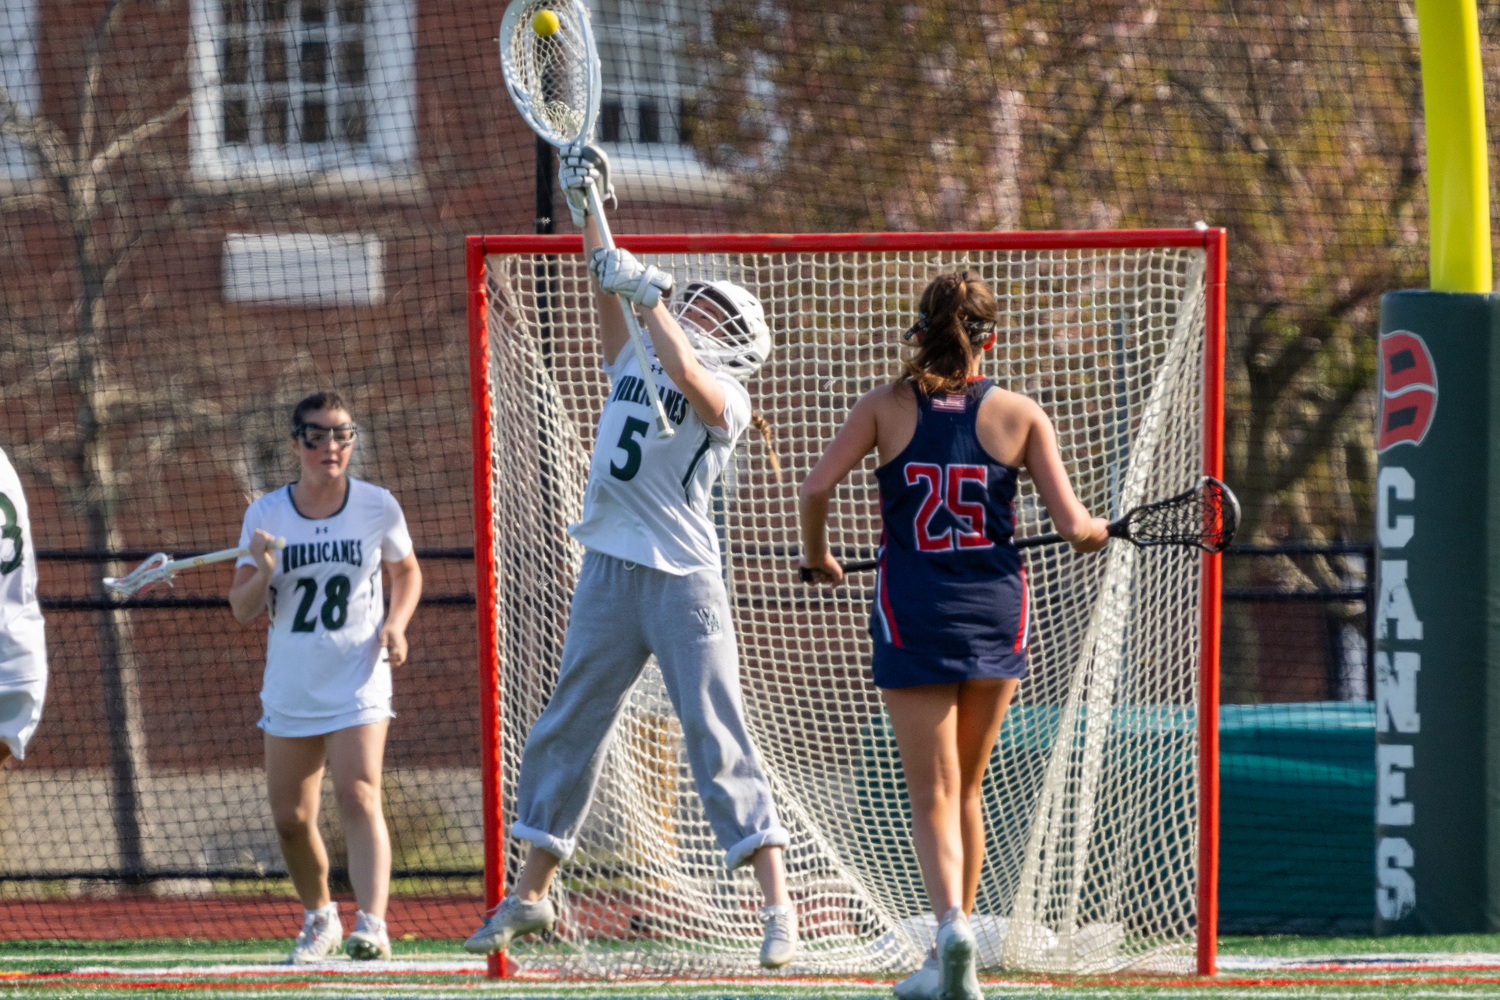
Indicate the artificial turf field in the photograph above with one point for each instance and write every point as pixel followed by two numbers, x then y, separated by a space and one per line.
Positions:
pixel 1302 967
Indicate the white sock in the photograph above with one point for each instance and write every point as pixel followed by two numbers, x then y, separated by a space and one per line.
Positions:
pixel 325 913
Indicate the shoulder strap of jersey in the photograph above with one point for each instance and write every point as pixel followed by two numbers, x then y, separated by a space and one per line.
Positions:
pixel 981 389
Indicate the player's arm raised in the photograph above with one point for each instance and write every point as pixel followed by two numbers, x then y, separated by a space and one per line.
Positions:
pixel 614 335
pixel 854 441
pixel 577 168
pixel 703 392
pixel 621 274
pixel 1072 519
pixel 247 594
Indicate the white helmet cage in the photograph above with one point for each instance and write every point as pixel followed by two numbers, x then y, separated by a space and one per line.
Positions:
pixel 726 326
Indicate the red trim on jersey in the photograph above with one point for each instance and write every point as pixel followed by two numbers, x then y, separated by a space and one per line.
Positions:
pixel 885 605
pixel 1025 624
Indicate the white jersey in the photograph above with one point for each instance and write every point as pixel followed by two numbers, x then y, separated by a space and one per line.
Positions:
pixel 23 648
pixel 323 657
pixel 647 500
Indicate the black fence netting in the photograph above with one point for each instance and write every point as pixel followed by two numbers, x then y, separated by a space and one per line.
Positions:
pixel 209 208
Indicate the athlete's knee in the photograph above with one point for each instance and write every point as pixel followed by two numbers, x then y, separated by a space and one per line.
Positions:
pixel 359 799
pixel 938 790
pixel 293 825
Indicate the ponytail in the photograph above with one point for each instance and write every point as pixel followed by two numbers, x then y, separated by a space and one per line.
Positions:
pixel 759 423
pixel 955 318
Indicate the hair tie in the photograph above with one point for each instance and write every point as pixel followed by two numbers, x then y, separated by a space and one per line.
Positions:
pixel 918 327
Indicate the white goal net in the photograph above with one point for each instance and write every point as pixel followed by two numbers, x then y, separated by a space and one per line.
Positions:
pixel 1092 794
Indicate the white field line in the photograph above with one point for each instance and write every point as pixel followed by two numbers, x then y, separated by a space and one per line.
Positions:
pixel 440 993
pixel 345 967
pixel 1360 963
pixel 220 956
pixel 386 991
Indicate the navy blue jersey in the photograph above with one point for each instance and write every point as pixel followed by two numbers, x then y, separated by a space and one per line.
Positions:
pixel 951 601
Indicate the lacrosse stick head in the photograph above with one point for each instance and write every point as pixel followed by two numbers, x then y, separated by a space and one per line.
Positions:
pixel 156 569
pixel 554 79
pixel 1206 516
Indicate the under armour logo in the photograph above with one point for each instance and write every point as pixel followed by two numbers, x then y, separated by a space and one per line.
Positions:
pixel 320 530
pixel 710 620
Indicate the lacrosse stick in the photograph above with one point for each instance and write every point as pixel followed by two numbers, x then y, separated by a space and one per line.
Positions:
pixel 1204 517
pixel 160 568
pixel 555 80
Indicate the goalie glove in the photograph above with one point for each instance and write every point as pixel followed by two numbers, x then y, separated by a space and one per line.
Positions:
pixel 619 273
pixel 576 167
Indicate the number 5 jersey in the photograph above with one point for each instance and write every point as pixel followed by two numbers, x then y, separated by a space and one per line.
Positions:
pixel 323 655
pixel 647 500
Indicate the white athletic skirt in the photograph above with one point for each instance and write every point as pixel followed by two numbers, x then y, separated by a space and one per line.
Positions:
pixel 278 724
pixel 23 680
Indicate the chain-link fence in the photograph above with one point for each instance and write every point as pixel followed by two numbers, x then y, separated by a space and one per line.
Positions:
pixel 210 207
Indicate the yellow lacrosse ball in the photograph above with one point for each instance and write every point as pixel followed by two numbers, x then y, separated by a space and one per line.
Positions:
pixel 545 23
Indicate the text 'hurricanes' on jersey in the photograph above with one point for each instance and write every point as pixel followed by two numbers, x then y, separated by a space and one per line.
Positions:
pixel 324 657
pixel 951 601
pixel 631 389
pixel 647 499
pixel 344 550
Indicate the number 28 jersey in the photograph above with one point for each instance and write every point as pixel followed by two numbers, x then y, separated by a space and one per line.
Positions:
pixel 647 500
pixel 323 656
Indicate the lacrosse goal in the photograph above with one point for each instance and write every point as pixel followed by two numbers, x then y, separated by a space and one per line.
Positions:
pixel 1100 798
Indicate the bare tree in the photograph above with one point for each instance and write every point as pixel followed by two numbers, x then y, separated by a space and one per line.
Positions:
pixel 93 175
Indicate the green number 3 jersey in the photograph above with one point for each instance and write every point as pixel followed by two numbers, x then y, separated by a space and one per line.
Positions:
pixel 323 656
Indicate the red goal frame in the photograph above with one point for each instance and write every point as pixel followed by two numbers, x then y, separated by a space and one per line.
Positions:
pixel 1212 240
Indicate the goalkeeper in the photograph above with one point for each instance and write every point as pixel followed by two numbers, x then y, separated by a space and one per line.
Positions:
pixel 951 616
pixel 651 583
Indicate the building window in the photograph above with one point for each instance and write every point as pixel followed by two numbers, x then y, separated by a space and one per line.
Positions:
pixel 648 82
pixel 304 269
pixel 293 87
pixel 18 75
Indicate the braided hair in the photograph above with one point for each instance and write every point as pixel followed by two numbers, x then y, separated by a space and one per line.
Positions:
pixel 955 319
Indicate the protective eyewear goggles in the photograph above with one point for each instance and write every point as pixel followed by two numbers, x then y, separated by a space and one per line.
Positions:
pixel 316 435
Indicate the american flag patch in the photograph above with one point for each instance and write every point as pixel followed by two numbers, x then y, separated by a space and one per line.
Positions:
pixel 952 404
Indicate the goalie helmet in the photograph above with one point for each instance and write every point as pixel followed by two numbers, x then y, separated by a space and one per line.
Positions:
pixel 726 326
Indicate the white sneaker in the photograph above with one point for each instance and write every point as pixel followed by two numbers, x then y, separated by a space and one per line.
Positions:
pixel 780 943
pixel 511 919
pixel 956 949
pixel 321 935
pixel 922 984
pixel 370 940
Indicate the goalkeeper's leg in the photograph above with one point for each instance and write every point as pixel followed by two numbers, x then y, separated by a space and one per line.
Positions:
pixel 604 653
pixel 691 632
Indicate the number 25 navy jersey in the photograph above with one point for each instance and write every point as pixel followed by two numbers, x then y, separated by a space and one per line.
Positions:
pixel 951 601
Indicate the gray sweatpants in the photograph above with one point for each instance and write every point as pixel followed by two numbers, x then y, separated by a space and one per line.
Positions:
pixel 621 614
